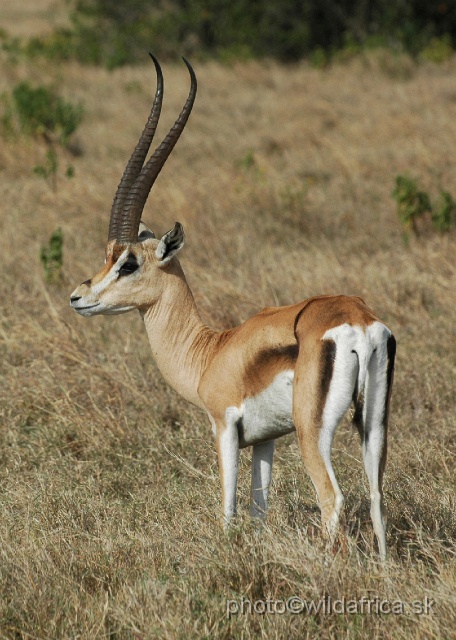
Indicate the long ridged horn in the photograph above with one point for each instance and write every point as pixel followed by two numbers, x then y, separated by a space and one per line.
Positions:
pixel 136 161
pixel 127 230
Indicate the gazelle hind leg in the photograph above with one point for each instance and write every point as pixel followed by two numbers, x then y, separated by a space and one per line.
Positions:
pixel 327 386
pixel 262 458
pixel 375 423
pixel 374 453
pixel 338 401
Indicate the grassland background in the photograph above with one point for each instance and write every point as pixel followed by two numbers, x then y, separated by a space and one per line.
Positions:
pixel 109 507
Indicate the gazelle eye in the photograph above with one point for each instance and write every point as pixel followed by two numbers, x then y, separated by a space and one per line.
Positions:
pixel 129 266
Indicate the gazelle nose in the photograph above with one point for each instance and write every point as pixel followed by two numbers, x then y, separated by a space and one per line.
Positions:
pixel 75 299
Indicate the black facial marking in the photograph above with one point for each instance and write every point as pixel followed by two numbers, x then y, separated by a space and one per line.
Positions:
pixel 129 266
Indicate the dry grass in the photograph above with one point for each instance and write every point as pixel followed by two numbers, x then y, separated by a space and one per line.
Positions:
pixel 32 17
pixel 110 497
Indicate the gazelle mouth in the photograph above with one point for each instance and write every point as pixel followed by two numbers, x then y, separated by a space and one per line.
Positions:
pixel 90 306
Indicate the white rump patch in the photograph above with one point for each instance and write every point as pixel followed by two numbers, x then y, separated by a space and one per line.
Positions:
pixel 360 355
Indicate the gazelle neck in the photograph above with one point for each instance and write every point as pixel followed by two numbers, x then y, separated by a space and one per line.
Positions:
pixel 181 343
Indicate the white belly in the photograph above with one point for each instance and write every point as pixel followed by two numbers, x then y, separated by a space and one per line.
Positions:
pixel 267 415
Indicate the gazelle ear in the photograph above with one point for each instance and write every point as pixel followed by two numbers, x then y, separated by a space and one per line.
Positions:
pixel 144 233
pixel 170 244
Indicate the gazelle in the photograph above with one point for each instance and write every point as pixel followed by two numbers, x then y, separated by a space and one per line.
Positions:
pixel 297 367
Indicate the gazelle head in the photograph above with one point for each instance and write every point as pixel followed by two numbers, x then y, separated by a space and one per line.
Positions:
pixel 136 262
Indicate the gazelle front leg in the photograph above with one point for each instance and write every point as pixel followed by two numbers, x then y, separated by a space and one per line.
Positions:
pixel 227 440
pixel 262 457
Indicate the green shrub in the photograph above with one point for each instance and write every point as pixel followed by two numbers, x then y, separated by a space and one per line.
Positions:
pixel 248 161
pixel 437 50
pixel 115 33
pixel 444 213
pixel 41 112
pixel 51 256
pixel 49 169
pixel 319 58
pixel 60 45
pixel 413 203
